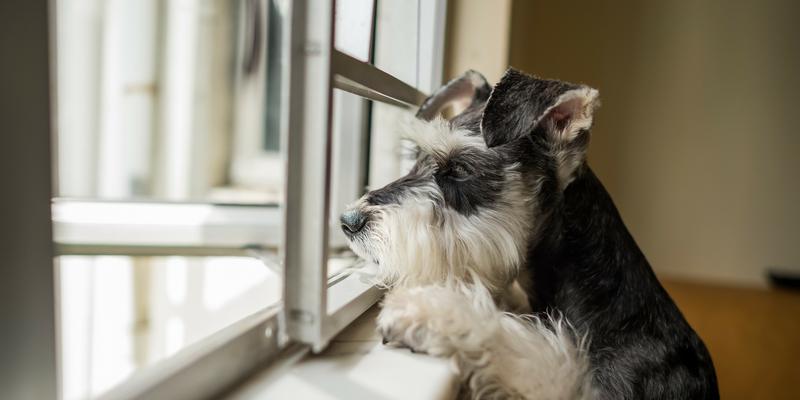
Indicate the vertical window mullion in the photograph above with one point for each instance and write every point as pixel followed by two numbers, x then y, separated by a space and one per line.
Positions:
pixel 307 133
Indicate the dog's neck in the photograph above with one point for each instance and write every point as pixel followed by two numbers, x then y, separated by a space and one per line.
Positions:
pixel 585 259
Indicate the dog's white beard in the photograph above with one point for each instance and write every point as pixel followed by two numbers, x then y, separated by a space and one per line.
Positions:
pixel 415 246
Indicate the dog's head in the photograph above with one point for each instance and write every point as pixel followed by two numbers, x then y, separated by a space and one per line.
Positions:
pixel 481 183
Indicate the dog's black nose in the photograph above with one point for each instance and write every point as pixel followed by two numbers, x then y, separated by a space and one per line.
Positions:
pixel 352 221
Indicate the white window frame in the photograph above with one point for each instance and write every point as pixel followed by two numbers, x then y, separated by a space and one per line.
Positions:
pixel 317 67
pixel 315 307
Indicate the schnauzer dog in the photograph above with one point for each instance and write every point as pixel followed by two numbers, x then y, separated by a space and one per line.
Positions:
pixel 502 249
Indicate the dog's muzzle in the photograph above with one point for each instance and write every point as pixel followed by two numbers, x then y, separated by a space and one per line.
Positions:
pixel 353 221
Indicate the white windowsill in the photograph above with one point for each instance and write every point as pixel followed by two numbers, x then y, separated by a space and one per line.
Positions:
pixel 355 366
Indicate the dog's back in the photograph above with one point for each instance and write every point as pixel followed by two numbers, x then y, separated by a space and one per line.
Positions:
pixel 588 267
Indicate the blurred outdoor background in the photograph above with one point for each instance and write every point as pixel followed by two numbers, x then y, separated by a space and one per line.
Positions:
pixel 696 142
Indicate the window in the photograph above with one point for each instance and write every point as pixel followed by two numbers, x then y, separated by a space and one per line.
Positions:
pixel 205 149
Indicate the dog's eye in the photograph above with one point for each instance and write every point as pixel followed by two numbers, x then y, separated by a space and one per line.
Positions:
pixel 458 173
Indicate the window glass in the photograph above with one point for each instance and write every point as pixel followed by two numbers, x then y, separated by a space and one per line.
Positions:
pixel 164 109
pixel 366 137
pixel 349 155
pixel 169 100
pixel 350 128
pixel 168 131
pixel 397 39
pixel 120 314
pixel 354 28
pixel 396 52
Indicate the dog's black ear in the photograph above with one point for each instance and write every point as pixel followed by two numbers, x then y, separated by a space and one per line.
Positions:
pixel 521 105
pixel 470 88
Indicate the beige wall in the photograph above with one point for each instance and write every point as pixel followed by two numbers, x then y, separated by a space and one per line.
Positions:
pixel 477 37
pixel 696 139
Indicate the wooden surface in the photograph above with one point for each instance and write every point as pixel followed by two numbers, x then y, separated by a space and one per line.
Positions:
pixel 753 336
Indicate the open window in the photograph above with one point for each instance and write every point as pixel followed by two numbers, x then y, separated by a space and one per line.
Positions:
pixel 205 149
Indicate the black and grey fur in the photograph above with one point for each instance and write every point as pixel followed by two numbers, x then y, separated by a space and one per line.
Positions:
pixel 502 213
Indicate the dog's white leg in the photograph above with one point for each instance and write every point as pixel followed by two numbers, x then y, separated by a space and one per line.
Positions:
pixel 499 355
pixel 514 300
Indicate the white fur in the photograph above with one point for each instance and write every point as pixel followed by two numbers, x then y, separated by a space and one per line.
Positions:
pixel 500 355
pixel 452 278
pixel 416 242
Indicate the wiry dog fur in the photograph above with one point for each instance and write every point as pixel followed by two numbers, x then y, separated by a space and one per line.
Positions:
pixel 499 217
pixel 492 349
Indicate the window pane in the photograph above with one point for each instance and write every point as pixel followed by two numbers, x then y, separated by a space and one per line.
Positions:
pixel 366 139
pixel 172 100
pixel 119 315
pixel 397 39
pixel 354 28
pixel 348 170
pixel 174 103
pixel 396 52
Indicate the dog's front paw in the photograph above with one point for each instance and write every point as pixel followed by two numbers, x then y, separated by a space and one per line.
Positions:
pixel 401 323
pixel 424 319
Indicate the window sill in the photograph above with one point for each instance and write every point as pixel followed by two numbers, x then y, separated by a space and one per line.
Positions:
pixel 355 366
